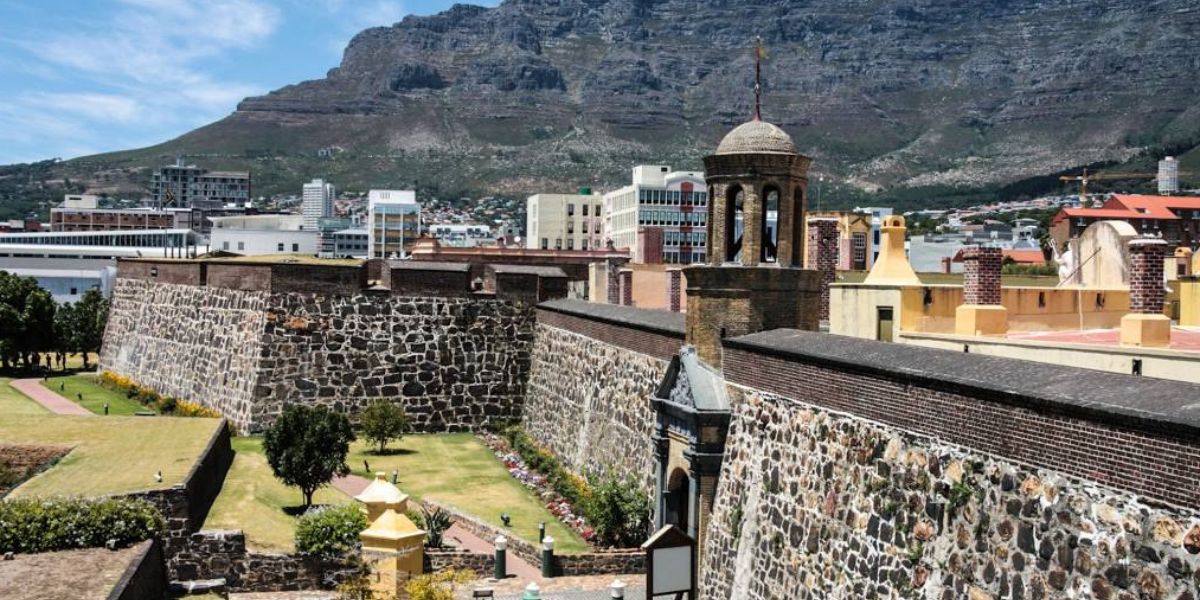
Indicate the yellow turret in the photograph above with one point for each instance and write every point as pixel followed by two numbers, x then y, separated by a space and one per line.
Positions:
pixel 892 267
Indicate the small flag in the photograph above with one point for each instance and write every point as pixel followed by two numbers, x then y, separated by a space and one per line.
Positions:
pixel 760 51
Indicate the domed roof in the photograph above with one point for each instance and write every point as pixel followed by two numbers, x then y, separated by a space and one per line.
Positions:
pixel 757 137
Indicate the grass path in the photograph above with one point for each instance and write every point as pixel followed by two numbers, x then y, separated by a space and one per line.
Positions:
pixel 16 404
pixel 94 395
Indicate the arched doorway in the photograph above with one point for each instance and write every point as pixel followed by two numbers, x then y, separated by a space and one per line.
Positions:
pixel 678 499
pixel 734 225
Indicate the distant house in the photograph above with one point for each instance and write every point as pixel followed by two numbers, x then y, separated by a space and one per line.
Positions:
pixel 1175 218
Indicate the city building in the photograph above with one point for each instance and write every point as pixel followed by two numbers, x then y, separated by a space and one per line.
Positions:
pixel 878 214
pixel 1176 219
pixel 564 221
pixel 316 202
pixel 327 228
pixel 660 216
pixel 856 247
pixel 65 278
pixel 461 234
pixel 393 222
pixel 81 201
pixel 189 186
pixel 1168 176
pixel 69 218
pixel 350 243
pixel 149 243
pixel 263 234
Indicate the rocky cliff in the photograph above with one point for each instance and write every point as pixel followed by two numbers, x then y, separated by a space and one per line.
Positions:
pixel 881 92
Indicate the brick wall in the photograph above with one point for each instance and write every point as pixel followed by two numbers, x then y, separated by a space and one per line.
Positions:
pixel 1146 292
pixel 613 271
pixel 659 344
pixel 1144 459
pixel 981 274
pixel 823 256
pixel 626 284
pixel 675 290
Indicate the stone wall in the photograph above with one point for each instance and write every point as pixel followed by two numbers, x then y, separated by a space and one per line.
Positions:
pixel 590 383
pixel 455 363
pixel 145 577
pixel 187 341
pixel 216 554
pixel 857 469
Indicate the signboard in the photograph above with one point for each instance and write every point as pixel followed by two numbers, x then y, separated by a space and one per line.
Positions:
pixel 670 564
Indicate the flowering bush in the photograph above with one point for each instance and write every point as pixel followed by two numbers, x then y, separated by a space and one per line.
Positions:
pixel 45 525
pixel 330 531
pixel 167 405
pixel 563 490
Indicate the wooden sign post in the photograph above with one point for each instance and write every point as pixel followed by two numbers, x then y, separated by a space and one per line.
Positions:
pixel 670 564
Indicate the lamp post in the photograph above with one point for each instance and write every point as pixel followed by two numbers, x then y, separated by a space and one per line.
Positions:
pixel 541 531
pixel 548 557
pixel 501 558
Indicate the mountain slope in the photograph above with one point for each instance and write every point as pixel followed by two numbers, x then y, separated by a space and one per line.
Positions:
pixel 546 94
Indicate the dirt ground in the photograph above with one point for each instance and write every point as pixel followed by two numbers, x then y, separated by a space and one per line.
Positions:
pixel 20 462
pixel 76 574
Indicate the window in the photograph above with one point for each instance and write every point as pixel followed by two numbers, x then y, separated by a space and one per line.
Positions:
pixel 241 245
pixel 558 243
pixel 596 210
pixel 585 210
pixel 280 247
pixel 74 291
pixel 583 245
pixel 570 243
pixel 571 209
pixel 295 247
pixel 545 243
pixel 225 245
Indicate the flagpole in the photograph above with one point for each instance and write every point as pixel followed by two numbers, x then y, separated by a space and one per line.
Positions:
pixel 758 81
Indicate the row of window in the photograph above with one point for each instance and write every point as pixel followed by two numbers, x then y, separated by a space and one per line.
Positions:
pixel 684 238
pixel 673 197
pixel 558 244
pixel 671 217
pixel 683 258
pixel 571 209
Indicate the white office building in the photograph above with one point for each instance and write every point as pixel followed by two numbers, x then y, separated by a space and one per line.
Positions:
pixel 316 202
pixel 564 221
pixel 393 222
pixel 659 201
pixel 263 234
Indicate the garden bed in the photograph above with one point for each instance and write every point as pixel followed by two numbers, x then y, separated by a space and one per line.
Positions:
pixel 19 462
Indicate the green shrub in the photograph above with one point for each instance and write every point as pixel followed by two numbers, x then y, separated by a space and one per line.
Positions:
pixel 619 512
pixel 330 531
pixel 45 525
pixel 382 422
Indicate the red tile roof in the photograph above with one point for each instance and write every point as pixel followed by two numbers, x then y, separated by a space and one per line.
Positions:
pixel 1134 206
pixel 1026 256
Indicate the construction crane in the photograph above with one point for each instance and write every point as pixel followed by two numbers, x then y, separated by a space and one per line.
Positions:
pixel 1086 177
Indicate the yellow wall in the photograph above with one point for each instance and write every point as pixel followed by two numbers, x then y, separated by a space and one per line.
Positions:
pixel 1189 302
pixel 650 285
pixel 1025 313
pixel 853 309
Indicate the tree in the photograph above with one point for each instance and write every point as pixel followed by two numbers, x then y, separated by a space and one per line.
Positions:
pixel 307 446
pixel 90 317
pixel 619 512
pixel 26 319
pixel 382 422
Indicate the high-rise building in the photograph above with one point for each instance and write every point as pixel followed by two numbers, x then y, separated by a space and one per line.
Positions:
pixel 316 202
pixel 393 222
pixel 564 221
pixel 1168 176
pixel 189 186
pixel 666 209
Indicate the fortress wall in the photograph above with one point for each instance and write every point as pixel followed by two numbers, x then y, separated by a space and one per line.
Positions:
pixel 187 341
pixel 456 363
pixel 861 469
pixel 593 370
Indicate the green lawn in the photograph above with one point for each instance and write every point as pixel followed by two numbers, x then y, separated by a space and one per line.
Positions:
pixel 253 500
pixel 455 469
pixel 14 403
pixel 110 456
pixel 94 395
pixel 458 470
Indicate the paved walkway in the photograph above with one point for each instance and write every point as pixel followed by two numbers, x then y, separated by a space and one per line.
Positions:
pixel 51 400
pixel 353 485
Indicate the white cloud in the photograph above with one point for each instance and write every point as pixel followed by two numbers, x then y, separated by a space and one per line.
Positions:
pixel 146 63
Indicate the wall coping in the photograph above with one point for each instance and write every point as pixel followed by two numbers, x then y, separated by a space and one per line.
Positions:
pixel 1160 405
pixel 656 321
pixel 1131 351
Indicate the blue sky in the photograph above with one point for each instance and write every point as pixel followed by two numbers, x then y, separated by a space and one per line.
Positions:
pixel 86 76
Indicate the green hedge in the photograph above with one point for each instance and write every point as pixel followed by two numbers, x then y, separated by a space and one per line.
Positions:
pixel 330 531
pixel 45 525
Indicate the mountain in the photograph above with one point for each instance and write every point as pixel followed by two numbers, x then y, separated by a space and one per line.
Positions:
pixel 545 95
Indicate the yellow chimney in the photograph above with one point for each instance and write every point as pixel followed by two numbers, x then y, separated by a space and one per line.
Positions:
pixel 892 267
pixel 381 495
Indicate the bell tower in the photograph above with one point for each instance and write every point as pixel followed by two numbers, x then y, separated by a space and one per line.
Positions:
pixel 754 280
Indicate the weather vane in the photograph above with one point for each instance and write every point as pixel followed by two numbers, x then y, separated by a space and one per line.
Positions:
pixel 760 54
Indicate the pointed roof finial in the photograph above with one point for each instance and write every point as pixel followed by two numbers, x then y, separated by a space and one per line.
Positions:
pixel 760 54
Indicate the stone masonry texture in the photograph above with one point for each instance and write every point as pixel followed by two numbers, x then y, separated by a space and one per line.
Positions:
pixel 981 274
pixel 1146 275
pixel 455 363
pixel 814 503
